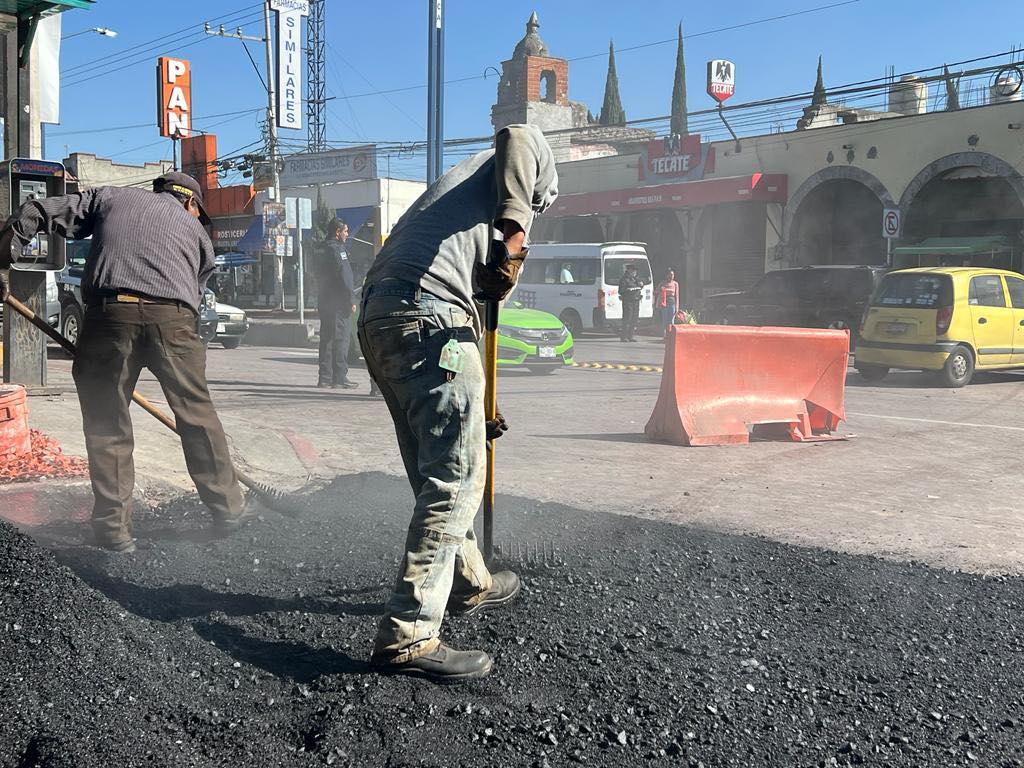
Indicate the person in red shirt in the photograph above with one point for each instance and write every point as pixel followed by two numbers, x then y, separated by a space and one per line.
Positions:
pixel 668 300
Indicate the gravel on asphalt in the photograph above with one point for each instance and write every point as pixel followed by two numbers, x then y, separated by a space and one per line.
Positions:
pixel 636 643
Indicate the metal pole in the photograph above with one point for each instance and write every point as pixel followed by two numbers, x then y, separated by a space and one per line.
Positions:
pixel 435 90
pixel 302 271
pixel 272 136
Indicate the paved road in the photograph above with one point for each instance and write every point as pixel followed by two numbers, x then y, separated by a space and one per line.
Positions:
pixel 932 474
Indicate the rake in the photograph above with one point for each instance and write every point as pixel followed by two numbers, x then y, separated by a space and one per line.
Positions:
pixel 273 498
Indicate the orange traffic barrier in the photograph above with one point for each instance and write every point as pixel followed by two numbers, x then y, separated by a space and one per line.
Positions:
pixel 723 383
pixel 14 435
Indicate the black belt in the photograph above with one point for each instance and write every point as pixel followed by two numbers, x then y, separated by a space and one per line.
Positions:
pixel 124 297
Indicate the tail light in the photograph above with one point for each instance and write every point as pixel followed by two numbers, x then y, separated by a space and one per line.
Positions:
pixel 600 298
pixel 943 318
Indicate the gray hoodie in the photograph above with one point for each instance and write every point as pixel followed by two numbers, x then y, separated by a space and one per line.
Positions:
pixel 451 226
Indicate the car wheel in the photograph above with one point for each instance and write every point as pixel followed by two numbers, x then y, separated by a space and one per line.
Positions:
pixel 542 370
pixel 959 368
pixel 873 372
pixel 231 343
pixel 571 320
pixel 71 323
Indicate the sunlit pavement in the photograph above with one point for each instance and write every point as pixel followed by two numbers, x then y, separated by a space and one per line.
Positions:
pixel 929 474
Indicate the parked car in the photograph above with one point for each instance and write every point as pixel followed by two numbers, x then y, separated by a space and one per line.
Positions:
pixel 579 283
pixel 804 297
pixel 206 323
pixel 534 339
pixel 951 320
pixel 232 323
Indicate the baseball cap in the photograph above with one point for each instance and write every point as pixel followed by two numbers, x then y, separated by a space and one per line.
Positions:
pixel 182 184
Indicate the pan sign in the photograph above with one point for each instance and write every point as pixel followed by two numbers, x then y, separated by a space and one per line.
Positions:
pixel 289 61
pixel 721 79
pixel 891 223
pixel 174 97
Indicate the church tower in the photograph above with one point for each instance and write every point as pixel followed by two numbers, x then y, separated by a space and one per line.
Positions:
pixel 534 88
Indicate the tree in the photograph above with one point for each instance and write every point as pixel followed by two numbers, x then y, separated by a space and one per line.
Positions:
pixel 680 116
pixel 819 97
pixel 612 112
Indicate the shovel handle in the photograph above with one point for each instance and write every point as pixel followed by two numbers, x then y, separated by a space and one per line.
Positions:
pixel 491 412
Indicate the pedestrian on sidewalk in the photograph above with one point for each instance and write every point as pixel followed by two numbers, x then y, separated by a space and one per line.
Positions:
pixel 143 284
pixel 631 285
pixel 418 328
pixel 668 301
pixel 336 305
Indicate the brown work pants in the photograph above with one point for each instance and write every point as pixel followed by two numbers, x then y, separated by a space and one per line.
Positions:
pixel 117 341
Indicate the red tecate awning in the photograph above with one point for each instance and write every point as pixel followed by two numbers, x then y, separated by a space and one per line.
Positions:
pixel 765 187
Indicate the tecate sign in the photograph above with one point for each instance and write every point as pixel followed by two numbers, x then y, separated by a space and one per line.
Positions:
pixel 174 97
pixel 289 61
pixel 721 79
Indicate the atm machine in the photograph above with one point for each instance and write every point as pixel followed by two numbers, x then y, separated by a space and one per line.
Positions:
pixel 22 179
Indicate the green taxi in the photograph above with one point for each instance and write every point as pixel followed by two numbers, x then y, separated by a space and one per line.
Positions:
pixel 532 338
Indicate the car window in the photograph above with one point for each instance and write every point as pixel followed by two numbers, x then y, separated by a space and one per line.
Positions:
pixel 986 291
pixel 578 271
pixel 1016 287
pixel 534 271
pixel 915 290
pixel 614 267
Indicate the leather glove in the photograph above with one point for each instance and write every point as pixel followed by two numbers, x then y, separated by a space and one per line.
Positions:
pixel 496 279
pixel 497 427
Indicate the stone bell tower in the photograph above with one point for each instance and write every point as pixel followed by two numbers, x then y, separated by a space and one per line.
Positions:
pixel 534 88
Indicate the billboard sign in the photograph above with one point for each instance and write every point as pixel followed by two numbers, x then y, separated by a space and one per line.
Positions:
pixel 289 60
pixel 721 79
pixel 310 168
pixel 174 97
pixel 676 158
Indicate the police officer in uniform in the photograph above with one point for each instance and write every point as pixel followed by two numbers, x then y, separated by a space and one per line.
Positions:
pixel 336 305
pixel 143 287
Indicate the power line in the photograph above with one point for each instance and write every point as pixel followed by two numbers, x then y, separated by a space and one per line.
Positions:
pixel 179 43
pixel 752 23
pixel 150 124
pixel 157 41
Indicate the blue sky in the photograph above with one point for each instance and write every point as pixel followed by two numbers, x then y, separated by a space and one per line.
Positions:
pixel 382 46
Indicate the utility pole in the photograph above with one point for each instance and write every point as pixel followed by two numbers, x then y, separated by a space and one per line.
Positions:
pixel 272 156
pixel 316 89
pixel 275 179
pixel 435 90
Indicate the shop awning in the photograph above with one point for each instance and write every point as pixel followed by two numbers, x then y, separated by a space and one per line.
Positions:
pixel 252 240
pixel 955 246
pixel 765 187
pixel 234 259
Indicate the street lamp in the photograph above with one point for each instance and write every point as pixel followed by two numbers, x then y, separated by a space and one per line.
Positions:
pixel 105 31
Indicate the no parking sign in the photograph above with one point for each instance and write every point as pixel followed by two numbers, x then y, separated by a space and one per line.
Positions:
pixel 892 224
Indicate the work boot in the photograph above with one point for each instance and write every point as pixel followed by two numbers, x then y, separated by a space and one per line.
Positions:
pixel 442 665
pixel 504 587
pixel 225 526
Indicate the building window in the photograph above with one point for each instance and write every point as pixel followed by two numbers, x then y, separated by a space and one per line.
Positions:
pixel 547 86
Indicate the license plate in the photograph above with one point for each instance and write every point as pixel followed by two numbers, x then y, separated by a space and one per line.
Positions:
pixel 896 329
pixel 546 352
pixel 221 328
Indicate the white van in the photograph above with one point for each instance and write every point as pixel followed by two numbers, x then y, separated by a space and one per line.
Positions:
pixel 579 282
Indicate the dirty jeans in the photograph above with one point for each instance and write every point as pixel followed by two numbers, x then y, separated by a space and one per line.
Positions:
pixel 117 342
pixel 439 421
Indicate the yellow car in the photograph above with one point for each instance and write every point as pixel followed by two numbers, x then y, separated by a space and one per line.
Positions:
pixel 953 320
